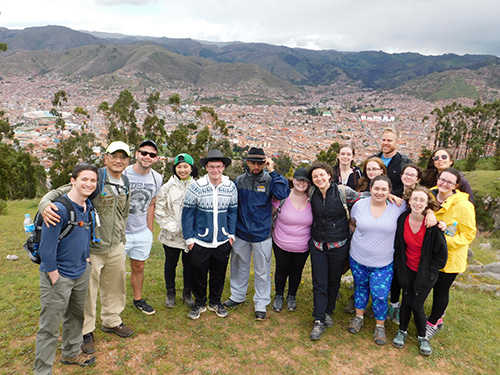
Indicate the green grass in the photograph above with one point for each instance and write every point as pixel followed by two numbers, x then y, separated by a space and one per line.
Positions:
pixel 168 342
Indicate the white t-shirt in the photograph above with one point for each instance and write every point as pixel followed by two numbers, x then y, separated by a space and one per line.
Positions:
pixel 372 244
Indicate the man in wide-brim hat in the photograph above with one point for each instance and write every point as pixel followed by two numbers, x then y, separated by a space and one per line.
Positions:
pixel 209 227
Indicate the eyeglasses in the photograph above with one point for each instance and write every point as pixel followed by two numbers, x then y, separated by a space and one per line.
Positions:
pixel 373 169
pixel 446 182
pixel 411 175
pixel 437 157
pixel 117 156
pixel 152 155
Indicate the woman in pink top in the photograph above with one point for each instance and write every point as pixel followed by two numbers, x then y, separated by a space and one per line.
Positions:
pixel 292 231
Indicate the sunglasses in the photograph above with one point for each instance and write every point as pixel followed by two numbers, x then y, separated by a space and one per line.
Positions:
pixel 151 154
pixel 437 157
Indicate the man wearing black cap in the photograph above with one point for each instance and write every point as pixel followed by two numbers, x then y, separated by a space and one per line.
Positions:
pixel 209 226
pixel 256 187
pixel 144 186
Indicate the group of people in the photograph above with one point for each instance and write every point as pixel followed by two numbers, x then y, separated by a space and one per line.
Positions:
pixel 342 216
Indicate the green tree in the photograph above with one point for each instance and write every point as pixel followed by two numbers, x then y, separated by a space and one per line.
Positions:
pixel 121 120
pixel 329 156
pixel 283 163
pixel 5 129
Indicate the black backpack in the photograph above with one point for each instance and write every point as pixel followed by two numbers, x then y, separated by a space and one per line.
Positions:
pixel 33 242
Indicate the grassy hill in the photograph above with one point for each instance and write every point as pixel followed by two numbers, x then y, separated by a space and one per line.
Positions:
pixel 168 342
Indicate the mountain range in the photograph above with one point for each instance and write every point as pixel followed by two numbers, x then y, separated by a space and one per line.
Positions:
pixel 116 58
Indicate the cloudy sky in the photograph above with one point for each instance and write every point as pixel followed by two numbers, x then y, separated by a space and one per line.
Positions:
pixel 429 27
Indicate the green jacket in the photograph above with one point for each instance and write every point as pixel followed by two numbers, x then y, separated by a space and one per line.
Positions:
pixel 113 212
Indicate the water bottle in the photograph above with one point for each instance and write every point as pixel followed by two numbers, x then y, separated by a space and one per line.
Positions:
pixel 29 229
pixel 29 226
pixel 451 229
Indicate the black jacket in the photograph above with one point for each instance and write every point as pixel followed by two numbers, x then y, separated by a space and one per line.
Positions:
pixel 433 258
pixel 330 220
pixel 394 171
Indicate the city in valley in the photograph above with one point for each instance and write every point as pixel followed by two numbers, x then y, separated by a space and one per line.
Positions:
pixel 285 124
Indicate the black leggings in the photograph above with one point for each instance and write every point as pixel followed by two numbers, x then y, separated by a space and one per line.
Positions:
pixel 395 289
pixel 171 258
pixel 441 295
pixel 288 266
pixel 413 303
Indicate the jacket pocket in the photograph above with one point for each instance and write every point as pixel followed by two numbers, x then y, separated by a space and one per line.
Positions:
pixel 224 232
pixel 204 234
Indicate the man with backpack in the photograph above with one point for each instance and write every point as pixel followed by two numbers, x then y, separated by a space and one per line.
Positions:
pixel 111 198
pixel 64 274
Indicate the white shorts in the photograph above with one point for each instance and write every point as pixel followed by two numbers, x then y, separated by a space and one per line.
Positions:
pixel 138 246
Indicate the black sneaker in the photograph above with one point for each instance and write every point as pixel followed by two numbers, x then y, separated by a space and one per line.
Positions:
pixel 88 343
pixel 144 307
pixel 260 315
pixel 219 310
pixel 292 303
pixel 196 311
pixel 230 303
pixel 278 303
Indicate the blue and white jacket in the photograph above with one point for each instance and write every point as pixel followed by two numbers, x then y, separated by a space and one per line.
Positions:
pixel 254 203
pixel 209 212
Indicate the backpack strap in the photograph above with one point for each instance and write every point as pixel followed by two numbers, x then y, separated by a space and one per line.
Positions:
pixel 343 199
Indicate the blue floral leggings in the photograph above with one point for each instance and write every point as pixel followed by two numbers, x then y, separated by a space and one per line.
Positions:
pixel 375 281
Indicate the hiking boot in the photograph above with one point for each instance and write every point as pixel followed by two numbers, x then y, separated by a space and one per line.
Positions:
pixel 369 312
pixel 88 343
pixel 292 303
pixel 229 303
pixel 430 330
pixel 260 315
pixel 144 306
pixel 317 330
pixel 219 310
pixel 187 298
pixel 350 309
pixel 379 335
pixel 83 360
pixel 328 321
pixel 424 345
pixel 399 339
pixel 170 300
pixel 395 318
pixel 356 324
pixel 121 330
pixel 196 312
pixel 278 303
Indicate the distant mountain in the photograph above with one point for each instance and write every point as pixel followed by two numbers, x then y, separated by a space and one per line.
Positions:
pixel 199 62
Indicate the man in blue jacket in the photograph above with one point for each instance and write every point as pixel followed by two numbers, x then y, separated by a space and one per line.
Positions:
pixel 208 226
pixel 256 188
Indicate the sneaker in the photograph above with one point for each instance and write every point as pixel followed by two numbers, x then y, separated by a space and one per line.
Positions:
pixel 144 306
pixel 424 345
pixel 196 312
pixel 399 339
pixel 219 310
pixel 229 303
pixel 317 330
pixel 170 300
pixel 350 309
pixel 430 330
pixel 187 298
pixel 121 330
pixel 379 335
pixel 369 312
pixel 292 303
pixel 83 360
pixel 390 312
pixel 88 343
pixel 278 303
pixel 260 315
pixel 328 321
pixel 395 316
pixel 440 324
pixel 356 324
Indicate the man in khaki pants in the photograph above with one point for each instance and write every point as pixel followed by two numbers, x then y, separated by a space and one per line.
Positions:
pixel 112 201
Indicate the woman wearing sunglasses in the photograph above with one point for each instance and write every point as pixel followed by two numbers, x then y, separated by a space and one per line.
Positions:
pixel 459 216
pixel 440 160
